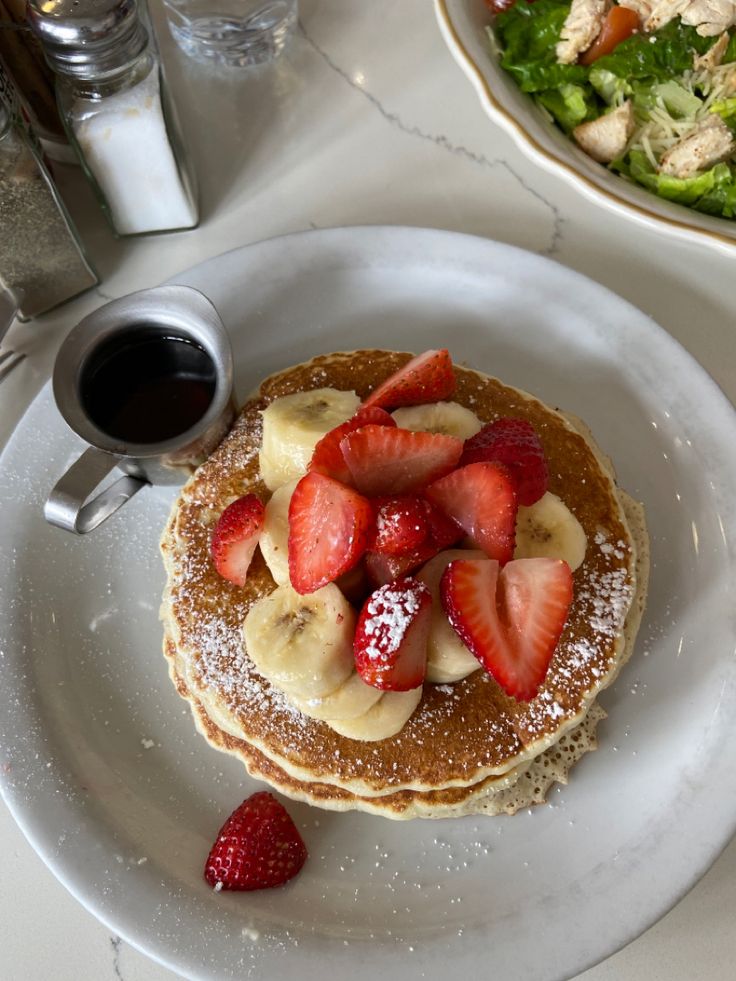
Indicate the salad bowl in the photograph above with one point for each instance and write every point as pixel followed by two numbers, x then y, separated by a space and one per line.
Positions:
pixel 464 25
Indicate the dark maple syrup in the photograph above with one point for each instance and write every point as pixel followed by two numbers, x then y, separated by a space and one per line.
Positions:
pixel 148 386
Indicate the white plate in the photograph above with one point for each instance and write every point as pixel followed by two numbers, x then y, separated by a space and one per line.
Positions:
pixel 104 772
pixel 463 24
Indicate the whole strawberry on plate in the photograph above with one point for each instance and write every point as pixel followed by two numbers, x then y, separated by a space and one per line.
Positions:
pixel 258 847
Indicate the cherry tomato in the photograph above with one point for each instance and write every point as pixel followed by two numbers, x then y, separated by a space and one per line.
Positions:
pixel 620 23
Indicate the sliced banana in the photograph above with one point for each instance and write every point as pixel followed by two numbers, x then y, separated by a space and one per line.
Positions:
pixel 447 418
pixel 384 719
pixel 303 645
pixel 549 529
pixel 351 700
pixel 294 424
pixel 274 540
pixel 448 659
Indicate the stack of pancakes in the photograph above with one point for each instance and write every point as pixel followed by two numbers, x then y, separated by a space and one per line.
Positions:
pixel 468 748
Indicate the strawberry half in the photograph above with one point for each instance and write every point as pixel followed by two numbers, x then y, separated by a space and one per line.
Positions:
pixel 382 568
pixel 427 377
pixel 515 444
pixel 329 527
pixel 384 461
pixel 258 847
pixel 327 457
pixel 481 498
pixel 442 532
pixel 401 524
pixel 510 618
pixel 390 644
pixel 235 537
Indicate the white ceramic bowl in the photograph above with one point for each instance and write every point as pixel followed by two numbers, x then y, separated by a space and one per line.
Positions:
pixel 464 27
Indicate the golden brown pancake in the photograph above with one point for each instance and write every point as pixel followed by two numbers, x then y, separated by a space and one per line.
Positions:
pixel 505 794
pixel 460 734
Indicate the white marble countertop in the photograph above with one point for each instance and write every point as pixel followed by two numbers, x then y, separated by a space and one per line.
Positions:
pixel 367 120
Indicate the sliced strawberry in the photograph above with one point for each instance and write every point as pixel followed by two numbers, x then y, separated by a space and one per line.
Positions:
pixel 442 530
pixel 426 378
pixel 385 461
pixel 510 618
pixel 235 537
pixel 327 457
pixel 401 524
pixel 513 442
pixel 391 636
pixel 481 498
pixel 356 584
pixel 258 847
pixel 382 568
pixel 329 525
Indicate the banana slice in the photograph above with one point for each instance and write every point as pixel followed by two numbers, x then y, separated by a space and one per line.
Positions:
pixel 294 424
pixel 448 659
pixel 274 540
pixel 352 699
pixel 447 418
pixel 384 719
pixel 549 529
pixel 302 644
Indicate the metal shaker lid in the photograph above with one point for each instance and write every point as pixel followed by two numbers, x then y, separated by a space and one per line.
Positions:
pixel 86 38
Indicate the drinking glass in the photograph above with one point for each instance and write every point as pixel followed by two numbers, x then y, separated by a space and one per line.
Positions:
pixel 231 32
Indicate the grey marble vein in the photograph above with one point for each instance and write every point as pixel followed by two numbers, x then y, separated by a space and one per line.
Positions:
pixel 444 143
pixel 115 943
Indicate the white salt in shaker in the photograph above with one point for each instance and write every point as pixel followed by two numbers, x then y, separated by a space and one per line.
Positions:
pixel 114 103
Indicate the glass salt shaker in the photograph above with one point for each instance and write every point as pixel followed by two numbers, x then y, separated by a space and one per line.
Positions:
pixel 116 109
pixel 41 260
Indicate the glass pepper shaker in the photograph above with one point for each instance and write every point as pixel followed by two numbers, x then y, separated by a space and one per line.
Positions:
pixel 114 104
pixel 41 261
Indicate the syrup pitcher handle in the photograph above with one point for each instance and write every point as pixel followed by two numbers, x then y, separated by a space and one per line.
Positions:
pixel 70 506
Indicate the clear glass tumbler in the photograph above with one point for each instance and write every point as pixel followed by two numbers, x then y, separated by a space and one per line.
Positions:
pixel 231 32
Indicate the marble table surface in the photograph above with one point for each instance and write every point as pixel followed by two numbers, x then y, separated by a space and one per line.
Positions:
pixel 366 120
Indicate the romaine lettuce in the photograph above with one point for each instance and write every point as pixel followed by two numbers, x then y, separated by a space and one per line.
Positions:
pixel 528 35
pixel 570 105
pixel 712 191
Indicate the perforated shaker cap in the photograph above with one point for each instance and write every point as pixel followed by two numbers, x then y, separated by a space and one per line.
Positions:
pixel 86 38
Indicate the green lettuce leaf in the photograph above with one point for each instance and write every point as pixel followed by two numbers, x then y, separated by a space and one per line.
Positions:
pixel 528 33
pixel 659 57
pixel 570 105
pixel 712 191
pixel 607 85
pixel 726 109
pixel 679 101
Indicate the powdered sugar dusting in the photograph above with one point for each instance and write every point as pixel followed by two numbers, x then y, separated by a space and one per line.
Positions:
pixel 391 612
pixel 584 661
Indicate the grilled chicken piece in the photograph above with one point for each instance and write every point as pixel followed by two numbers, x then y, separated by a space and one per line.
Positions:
pixel 708 143
pixel 605 138
pixel 662 12
pixel 713 56
pixel 582 26
pixel 641 7
pixel 710 17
